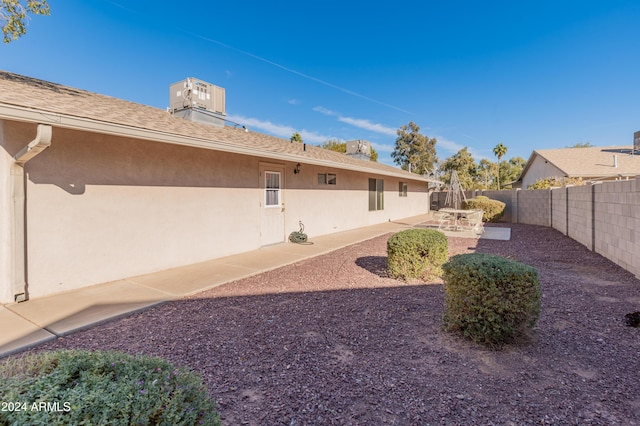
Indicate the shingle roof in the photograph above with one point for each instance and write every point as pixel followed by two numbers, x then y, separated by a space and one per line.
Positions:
pixel 43 96
pixel 592 162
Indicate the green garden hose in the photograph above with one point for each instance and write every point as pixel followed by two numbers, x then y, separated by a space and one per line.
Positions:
pixel 299 237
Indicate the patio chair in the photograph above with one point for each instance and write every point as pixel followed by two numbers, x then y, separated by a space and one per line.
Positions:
pixel 472 221
pixel 445 220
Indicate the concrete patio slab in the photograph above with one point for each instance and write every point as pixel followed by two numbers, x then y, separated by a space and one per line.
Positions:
pixel 66 312
pixel 19 333
pixel 190 279
pixel 496 233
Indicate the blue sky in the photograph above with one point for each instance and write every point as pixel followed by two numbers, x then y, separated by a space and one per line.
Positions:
pixel 529 74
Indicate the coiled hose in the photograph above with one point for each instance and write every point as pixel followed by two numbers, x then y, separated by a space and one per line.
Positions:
pixel 299 237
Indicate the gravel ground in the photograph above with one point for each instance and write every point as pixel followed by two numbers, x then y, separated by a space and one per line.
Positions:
pixel 334 341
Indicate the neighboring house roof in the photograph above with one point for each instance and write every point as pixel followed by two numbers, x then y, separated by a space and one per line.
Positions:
pixel 591 162
pixel 24 98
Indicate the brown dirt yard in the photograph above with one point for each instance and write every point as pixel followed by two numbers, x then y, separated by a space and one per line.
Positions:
pixel 333 340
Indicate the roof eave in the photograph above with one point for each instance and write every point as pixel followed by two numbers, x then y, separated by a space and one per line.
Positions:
pixel 17 113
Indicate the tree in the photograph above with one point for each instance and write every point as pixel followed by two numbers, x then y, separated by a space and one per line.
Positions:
pixel 587 144
pixel 511 170
pixel 338 146
pixel 499 151
pixel 463 163
pixel 296 137
pixel 487 170
pixel 334 145
pixel 414 151
pixel 13 16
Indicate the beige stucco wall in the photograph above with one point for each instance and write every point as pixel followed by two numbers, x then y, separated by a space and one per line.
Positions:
pixel 102 208
pixel 325 209
pixel 539 169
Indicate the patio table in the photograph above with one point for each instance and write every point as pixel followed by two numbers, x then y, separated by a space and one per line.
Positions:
pixel 457 214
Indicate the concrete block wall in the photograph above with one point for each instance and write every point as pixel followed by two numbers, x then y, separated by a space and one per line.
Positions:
pixel 579 214
pixel 534 207
pixel 604 217
pixel 507 197
pixel 617 223
pixel 559 209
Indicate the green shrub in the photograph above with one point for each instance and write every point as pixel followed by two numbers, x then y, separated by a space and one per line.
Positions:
pixel 493 209
pixel 416 253
pixel 96 388
pixel 556 182
pixel 490 299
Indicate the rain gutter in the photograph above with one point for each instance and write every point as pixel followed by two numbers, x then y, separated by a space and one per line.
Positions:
pixel 41 142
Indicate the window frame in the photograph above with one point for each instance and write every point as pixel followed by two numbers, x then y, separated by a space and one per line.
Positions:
pixel 327 179
pixel 376 194
pixel 403 189
pixel 273 190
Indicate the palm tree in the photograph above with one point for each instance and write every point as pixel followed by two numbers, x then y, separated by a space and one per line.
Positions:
pixel 499 151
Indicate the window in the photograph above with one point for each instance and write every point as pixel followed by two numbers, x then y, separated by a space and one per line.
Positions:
pixel 272 189
pixel 376 194
pixel 402 189
pixel 326 179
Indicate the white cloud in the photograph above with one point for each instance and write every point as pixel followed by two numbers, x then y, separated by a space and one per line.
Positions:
pixel 383 148
pixel 280 130
pixel 368 125
pixel 453 148
pixel 293 101
pixel 358 122
pixel 323 110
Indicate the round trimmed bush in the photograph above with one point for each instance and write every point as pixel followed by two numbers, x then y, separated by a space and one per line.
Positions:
pixel 493 210
pixel 490 299
pixel 102 387
pixel 416 253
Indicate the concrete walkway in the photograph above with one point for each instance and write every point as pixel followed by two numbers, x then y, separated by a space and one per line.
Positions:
pixel 38 320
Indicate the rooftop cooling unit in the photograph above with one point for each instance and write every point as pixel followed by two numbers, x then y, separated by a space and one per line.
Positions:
pixel 359 148
pixel 636 141
pixel 194 93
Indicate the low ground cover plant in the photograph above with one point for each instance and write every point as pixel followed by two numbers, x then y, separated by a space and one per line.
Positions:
pixel 416 253
pixel 493 210
pixel 99 388
pixel 490 299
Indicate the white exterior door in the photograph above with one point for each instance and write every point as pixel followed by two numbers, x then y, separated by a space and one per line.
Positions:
pixel 272 204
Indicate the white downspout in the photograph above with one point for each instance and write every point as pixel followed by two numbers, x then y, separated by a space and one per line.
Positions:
pixel 35 147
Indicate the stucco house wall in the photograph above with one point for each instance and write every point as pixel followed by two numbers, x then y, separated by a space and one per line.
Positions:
pixel 102 207
pixel 539 169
